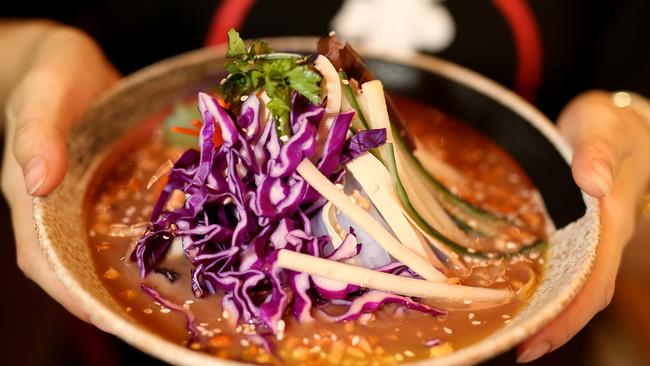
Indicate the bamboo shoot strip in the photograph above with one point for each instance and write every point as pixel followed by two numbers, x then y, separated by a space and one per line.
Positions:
pixel 368 223
pixel 333 103
pixel 329 220
pixel 439 294
pixel 378 185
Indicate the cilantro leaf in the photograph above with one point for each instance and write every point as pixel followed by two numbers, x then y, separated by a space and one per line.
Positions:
pixel 305 81
pixel 236 46
pixel 279 74
pixel 278 106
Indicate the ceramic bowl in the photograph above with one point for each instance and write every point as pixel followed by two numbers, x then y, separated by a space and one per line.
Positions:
pixel 498 113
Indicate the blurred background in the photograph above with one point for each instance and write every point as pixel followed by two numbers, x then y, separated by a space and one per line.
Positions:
pixel 546 50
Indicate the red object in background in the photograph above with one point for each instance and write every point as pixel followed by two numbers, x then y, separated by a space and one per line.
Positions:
pixel 528 45
pixel 229 14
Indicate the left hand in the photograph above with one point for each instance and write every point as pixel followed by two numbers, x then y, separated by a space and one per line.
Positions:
pixel 610 162
pixel 61 77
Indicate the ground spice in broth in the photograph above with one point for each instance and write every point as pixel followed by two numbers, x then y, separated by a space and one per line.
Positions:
pixel 119 209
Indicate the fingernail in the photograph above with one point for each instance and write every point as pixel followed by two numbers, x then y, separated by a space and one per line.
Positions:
pixel 533 353
pixel 602 175
pixel 35 174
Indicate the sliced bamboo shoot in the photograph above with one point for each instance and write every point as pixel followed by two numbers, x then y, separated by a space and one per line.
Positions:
pixel 378 185
pixel 332 226
pixel 375 107
pixel 333 105
pixel 420 195
pixel 368 223
pixel 373 99
pixel 329 218
pixel 440 294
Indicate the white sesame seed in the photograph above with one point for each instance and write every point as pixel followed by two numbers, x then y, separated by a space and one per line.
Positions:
pixel 225 314
pixel 447 330
pixel 476 322
pixel 355 340
pixel 165 310
pixel 470 316
pixel 399 357
pixel 315 349
pixel 409 353
pixel 243 98
pixel 130 211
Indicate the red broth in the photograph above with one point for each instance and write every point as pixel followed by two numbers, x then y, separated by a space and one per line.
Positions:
pixel 119 207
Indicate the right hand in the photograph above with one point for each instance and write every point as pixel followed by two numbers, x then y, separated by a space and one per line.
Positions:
pixel 62 76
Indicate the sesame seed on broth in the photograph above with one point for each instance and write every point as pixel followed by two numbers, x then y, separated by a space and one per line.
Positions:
pixel 119 209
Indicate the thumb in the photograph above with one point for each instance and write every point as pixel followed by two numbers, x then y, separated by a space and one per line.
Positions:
pixel 67 73
pixel 40 124
pixel 594 126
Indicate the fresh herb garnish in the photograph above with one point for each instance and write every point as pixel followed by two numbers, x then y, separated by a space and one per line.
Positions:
pixel 256 67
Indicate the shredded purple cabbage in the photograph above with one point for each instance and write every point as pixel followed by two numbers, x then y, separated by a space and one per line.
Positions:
pixel 373 300
pixel 157 297
pixel 432 342
pixel 245 202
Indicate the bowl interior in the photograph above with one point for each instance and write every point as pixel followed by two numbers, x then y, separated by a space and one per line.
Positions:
pixel 494 111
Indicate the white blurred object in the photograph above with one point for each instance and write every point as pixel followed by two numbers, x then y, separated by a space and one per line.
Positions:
pixel 404 26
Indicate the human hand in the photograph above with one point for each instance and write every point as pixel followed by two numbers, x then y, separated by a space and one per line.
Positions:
pixel 610 162
pixel 64 72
